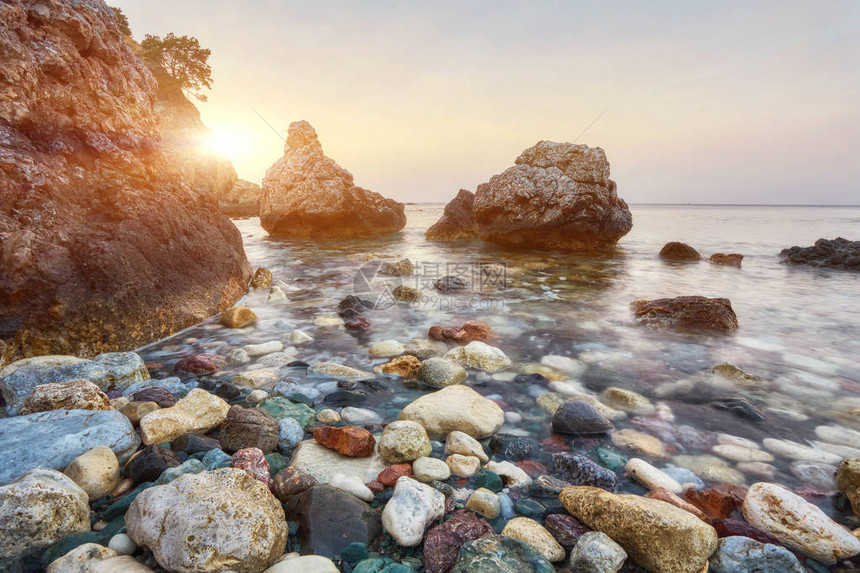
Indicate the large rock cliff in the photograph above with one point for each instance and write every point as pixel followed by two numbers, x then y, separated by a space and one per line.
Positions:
pixel 307 195
pixel 556 196
pixel 102 245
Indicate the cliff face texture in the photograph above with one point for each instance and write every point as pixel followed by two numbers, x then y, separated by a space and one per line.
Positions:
pixel 102 245
pixel 556 196
pixel 307 195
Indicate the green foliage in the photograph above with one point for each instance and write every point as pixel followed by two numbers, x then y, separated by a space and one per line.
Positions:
pixel 181 59
pixel 122 19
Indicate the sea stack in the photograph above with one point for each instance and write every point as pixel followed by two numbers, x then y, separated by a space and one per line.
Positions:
pixel 104 247
pixel 557 196
pixel 306 195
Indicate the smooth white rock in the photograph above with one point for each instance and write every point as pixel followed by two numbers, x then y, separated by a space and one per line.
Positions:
pixel 412 508
pixel 351 484
pixel 651 477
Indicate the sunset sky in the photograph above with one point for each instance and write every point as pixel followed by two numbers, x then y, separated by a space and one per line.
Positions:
pixel 745 102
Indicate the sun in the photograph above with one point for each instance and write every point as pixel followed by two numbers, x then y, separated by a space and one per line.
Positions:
pixel 225 144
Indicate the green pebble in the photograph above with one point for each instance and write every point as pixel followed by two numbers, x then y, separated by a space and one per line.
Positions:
pixel 280 407
pixel 381 565
pixel 119 508
pixel 489 480
pixel 276 463
pixel 300 398
pixel 354 552
pixel 529 507
pixel 611 460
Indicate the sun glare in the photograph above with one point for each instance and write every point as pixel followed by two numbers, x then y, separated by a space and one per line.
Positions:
pixel 226 144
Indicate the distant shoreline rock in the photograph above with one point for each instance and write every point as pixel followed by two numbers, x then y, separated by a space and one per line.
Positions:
pixel 306 195
pixel 837 253
pixel 557 196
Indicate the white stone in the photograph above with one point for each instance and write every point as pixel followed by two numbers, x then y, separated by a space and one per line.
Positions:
pixel 276 294
pixel 300 337
pixel 651 477
pixel 210 521
pixel 741 453
pixel 122 544
pixel 798 524
pixel 263 348
pixel 277 359
pixel 257 396
pixel 479 355
pixel 238 356
pixel 513 476
pixel 304 564
pixel 731 440
pixel 570 366
pixel 323 463
pixel 799 452
pixel 456 407
pixel 839 435
pixel 351 484
pixel 360 416
pixel 255 378
pixel 412 508
pixel 81 559
pixel 464 444
pixel 198 412
pixel 338 371
pixel 837 449
pixel 428 469
pixel 39 508
pixel 328 321
pixel 463 466
pixel 567 387
pixel 386 348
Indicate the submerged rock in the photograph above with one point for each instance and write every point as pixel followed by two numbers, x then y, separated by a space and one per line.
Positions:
pixel 331 519
pixel 836 253
pixel 53 439
pixel 306 195
pixel 687 313
pixel 458 222
pixel 112 247
pixel 658 536
pixel 731 260
pixel 500 554
pixel 578 417
pixel 675 251
pixel 738 554
pixel 39 508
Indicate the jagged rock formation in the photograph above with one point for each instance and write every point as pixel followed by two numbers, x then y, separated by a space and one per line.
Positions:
pixel 837 253
pixel 306 195
pixel 556 196
pixel 102 246
pixel 458 221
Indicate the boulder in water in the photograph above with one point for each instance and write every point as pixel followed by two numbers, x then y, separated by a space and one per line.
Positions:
pixel 687 313
pixel 306 195
pixel 458 222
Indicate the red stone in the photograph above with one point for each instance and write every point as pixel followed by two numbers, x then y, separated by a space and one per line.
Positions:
pixel 554 443
pixel 442 543
pixel 470 331
pixel 357 323
pixel 718 502
pixel 532 467
pixel 349 440
pixel 732 527
pixel 375 486
pixel 200 364
pixel 391 474
pixel 254 463
pixel 566 529
pixel 664 494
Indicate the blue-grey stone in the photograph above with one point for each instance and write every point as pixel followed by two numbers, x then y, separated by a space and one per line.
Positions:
pixel 683 475
pixel 107 371
pixel 173 385
pixel 190 466
pixel 217 459
pixel 739 554
pixel 596 552
pixel 53 439
pixel 290 434
pixel 500 554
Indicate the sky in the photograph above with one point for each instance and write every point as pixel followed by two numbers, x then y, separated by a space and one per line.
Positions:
pixel 752 102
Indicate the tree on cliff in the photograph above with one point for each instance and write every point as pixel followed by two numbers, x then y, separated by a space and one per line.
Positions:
pixel 122 19
pixel 181 59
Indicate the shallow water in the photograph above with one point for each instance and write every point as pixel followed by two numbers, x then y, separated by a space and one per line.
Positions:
pixel 799 327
